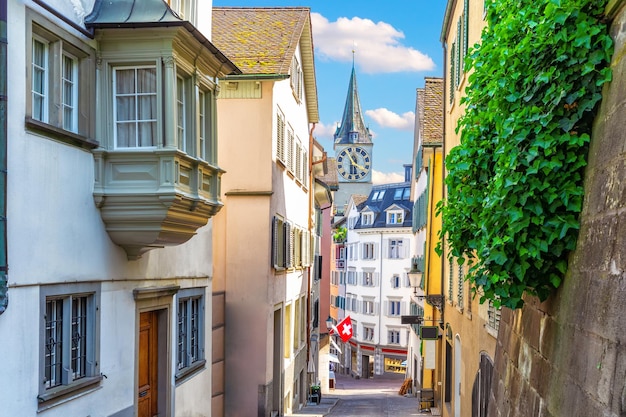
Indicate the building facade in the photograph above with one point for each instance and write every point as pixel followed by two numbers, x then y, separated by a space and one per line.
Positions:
pixel 468 347
pixel 378 248
pixel 426 310
pixel 107 109
pixel 269 248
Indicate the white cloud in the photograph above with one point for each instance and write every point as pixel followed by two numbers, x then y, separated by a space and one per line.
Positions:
pixel 387 118
pixel 378 45
pixel 325 131
pixel 386 178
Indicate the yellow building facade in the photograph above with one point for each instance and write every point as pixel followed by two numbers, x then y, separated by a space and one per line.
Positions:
pixel 470 331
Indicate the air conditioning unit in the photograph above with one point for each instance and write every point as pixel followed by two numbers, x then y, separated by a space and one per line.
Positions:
pixel 340 264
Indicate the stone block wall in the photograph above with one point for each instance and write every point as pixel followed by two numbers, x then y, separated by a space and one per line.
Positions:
pixel 567 356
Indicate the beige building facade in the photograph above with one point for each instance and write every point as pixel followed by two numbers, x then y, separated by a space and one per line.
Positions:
pixel 267 241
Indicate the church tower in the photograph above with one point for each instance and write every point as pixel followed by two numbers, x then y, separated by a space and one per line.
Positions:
pixel 353 149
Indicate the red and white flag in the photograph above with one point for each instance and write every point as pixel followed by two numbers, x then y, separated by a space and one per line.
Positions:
pixel 344 329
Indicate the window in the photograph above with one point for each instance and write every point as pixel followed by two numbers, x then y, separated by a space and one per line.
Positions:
pixel 368 279
pixel 60 72
pixel 280 136
pixel 295 78
pixel 395 281
pixel 368 333
pixel 352 277
pixel 394 308
pixel 494 316
pixel 368 306
pixel 407 194
pixel 134 106
pixel 69 337
pixel 397 195
pixel 395 217
pixel 282 244
pixel 181 114
pixel 378 195
pixel 396 249
pixel 393 337
pixel 69 96
pixel 40 80
pixel 190 331
pixel 367 219
pixel 368 250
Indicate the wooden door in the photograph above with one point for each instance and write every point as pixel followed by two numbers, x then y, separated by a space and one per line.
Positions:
pixel 147 400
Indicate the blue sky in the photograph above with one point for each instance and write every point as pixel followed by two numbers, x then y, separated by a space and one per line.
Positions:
pixel 397 45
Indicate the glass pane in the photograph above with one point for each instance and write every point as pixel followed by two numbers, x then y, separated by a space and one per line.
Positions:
pixel 39 53
pixel 53 343
pixel 125 81
pixel 79 337
pixel 38 103
pixel 146 80
pixel 182 334
pixel 147 133
pixel 126 135
pixel 125 108
pixel 147 107
pixel 194 339
pixel 68 68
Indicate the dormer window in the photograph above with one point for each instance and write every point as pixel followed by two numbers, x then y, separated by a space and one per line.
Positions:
pixel 395 217
pixel 367 219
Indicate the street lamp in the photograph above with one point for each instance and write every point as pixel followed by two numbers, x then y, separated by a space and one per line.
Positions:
pixel 329 323
pixel 416 276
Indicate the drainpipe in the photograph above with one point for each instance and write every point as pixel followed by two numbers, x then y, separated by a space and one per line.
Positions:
pixel 309 277
pixel 4 269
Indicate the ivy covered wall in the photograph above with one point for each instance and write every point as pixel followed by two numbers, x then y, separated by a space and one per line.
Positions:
pixel 566 356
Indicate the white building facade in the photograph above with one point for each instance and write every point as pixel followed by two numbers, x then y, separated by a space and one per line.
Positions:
pixel 378 251
pixel 110 255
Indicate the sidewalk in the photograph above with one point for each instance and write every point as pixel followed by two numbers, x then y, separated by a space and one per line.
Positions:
pixel 346 387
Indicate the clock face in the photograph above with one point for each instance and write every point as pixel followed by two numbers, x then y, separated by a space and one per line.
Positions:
pixel 354 163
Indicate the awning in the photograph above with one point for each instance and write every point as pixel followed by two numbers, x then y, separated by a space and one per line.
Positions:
pixel 333 358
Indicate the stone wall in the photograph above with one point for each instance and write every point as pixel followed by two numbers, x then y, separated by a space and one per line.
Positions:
pixel 567 356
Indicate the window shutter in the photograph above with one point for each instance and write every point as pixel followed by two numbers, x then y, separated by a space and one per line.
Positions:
pixel 287 242
pixel 465 28
pixel 452 71
pixel 290 146
pixel 406 243
pixel 275 242
pixel 459 68
pixel 386 307
pixel 280 137
pixel 298 163
pixel 386 248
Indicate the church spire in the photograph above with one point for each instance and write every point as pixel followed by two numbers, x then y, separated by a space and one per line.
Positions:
pixel 352 128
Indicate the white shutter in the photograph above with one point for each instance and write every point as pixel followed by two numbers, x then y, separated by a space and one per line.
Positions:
pixel 385 253
pixel 406 246
pixel 386 308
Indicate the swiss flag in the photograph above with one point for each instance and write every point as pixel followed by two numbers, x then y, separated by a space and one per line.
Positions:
pixel 344 329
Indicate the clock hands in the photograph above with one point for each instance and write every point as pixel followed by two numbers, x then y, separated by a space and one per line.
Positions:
pixel 354 162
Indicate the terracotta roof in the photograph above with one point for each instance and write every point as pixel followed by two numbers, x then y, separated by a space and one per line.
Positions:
pixel 432 122
pixel 259 40
pixel 330 178
pixel 359 199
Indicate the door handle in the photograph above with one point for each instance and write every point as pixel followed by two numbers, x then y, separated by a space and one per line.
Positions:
pixel 143 393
